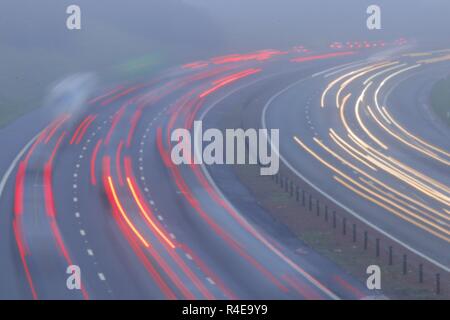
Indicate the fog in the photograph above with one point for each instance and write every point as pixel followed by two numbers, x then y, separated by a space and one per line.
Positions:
pixel 284 22
pixel 36 48
pixel 239 24
pixel 201 27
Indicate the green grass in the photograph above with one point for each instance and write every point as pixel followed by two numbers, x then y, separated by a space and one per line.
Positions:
pixel 27 75
pixel 440 99
pixel 323 239
pixel 119 43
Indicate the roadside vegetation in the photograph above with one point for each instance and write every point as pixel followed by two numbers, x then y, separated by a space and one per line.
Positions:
pixel 37 50
pixel 440 99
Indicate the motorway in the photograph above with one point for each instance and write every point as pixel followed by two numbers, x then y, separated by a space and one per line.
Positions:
pixel 367 129
pixel 99 190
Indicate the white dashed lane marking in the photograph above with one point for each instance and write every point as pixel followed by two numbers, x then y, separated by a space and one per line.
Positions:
pixel 83 234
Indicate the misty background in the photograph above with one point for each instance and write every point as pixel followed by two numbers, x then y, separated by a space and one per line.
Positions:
pixel 125 39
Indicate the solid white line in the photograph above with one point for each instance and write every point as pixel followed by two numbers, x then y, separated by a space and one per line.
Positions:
pixel 14 164
pixel 329 197
pixel 288 261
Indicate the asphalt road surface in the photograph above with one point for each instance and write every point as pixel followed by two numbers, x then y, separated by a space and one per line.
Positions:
pixel 99 190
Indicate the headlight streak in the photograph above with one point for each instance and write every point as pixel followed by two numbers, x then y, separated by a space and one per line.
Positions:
pixel 396 136
pixel 145 230
pixel 123 214
pixel 334 82
pixel 366 147
pixel 390 165
pixel 395 66
pixel 336 138
pixel 413 136
pixel 350 149
pixel 345 84
pixel 405 203
pixel 413 209
pixel 360 122
pixel 146 215
pixel 395 212
pixel 373 179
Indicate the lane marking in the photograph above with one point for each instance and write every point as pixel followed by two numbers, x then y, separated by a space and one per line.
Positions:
pixel 335 201
pixel 11 167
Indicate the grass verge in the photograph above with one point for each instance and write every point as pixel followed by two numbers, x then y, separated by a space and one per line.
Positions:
pixel 321 237
pixel 440 99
